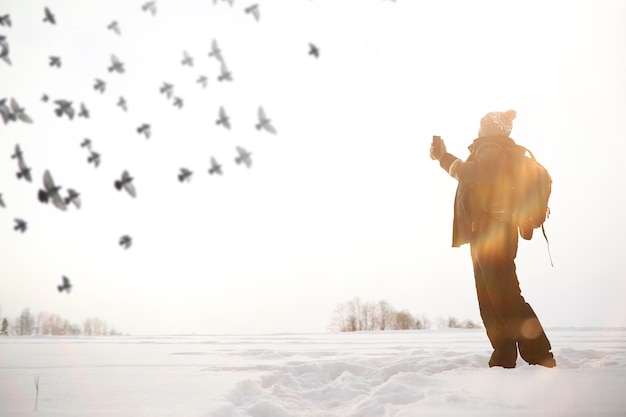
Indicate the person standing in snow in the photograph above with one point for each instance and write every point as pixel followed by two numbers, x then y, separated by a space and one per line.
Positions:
pixel 481 221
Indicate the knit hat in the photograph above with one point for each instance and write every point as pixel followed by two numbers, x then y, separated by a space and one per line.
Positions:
pixel 497 123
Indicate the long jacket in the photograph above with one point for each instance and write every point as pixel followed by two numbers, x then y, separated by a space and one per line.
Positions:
pixel 484 193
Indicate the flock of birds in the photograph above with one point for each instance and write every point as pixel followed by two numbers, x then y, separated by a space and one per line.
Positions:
pixel 11 111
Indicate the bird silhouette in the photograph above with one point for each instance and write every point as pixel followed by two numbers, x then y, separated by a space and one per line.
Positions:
pixel 2 201
pixel 64 107
pixel 20 225
pixel 187 59
pixel 116 65
pixel 24 171
pixel 215 167
pixel 254 10
pixel 94 157
pixel 4 50
pixel 99 85
pixel 125 241
pixel 19 112
pixel 122 103
pixel 66 286
pixel 149 7
pixel 145 129
pixel 126 182
pixel 202 80
pixel 225 73
pixel 72 197
pixel 314 50
pixel 83 111
pixel 51 192
pixel 167 89
pixel 216 51
pixel 5 20
pixel 243 156
pixel 48 16
pixel 223 119
pixel 178 102
pixel 55 61
pixel 86 143
pixel 184 175
pixel 264 122
pixel 114 26
pixel 45 98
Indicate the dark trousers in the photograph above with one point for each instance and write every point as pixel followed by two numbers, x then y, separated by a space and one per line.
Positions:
pixel 510 322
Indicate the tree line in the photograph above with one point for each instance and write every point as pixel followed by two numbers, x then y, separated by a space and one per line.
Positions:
pixel 28 324
pixel 358 315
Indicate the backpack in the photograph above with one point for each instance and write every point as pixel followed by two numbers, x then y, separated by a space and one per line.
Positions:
pixel 532 186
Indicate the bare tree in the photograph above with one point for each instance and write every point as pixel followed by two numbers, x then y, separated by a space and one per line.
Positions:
pixel 404 320
pixel 24 323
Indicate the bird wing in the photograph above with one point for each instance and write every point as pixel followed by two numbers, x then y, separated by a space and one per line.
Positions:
pixel 48 183
pixel 261 114
pixel 57 200
pixel 269 127
pixel 130 189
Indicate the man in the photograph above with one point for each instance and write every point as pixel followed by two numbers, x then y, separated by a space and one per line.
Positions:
pixel 483 218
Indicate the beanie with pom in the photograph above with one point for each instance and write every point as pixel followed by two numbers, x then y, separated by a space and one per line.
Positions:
pixel 497 123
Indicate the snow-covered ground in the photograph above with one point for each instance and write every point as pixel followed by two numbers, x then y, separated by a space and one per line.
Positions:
pixel 381 374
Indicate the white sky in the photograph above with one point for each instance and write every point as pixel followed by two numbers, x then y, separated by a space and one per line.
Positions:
pixel 344 201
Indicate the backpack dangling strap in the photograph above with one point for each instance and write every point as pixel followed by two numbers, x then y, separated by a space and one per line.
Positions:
pixel 543 229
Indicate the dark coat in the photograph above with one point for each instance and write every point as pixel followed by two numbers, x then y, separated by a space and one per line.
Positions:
pixel 484 193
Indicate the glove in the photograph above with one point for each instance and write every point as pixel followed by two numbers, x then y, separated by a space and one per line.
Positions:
pixel 437 151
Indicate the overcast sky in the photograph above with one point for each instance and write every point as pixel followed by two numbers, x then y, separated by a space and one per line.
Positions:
pixel 344 201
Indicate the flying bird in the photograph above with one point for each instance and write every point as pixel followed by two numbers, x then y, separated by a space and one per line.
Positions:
pixel 178 102
pixel 149 7
pixel 5 20
pixel 187 59
pixel 72 197
pixel 202 80
pixel 223 119
pixel 215 167
pixel 4 50
pixel 24 171
pixel 243 156
pixel 55 61
pixel 64 107
pixel 51 192
pixel 86 143
pixel 45 98
pixel 122 103
pixel 125 241
pixel 20 225
pixel 185 175
pixel 99 85
pixel 167 89
pixel 94 157
pixel 264 122
pixel 66 286
pixel 114 26
pixel 145 129
pixel 116 65
pixel 83 111
pixel 216 51
pixel 314 50
pixel 19 112
pixel 225 74
pixel 48 16
pixel 126 183
pixel 17 154
pixel 2 201
pixel 254 10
